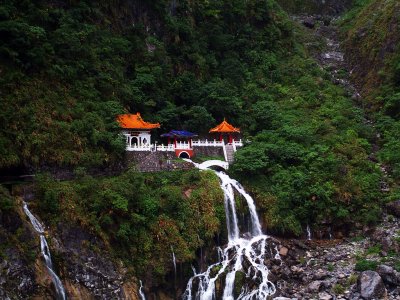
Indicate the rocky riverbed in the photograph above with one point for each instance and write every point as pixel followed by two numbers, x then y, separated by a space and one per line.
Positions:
pixel 365 266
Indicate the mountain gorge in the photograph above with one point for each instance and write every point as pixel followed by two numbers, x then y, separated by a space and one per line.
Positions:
pixel 320 153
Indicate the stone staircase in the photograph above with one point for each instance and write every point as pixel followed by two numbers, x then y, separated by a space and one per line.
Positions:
pixel 229 153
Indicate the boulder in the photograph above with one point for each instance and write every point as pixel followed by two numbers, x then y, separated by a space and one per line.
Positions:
pixel 389 275
pixel 320 274
pixel 370 285
pixel 314 286
pixel 324 296
pixel 309 22
pixel 283 251
pixel 394 208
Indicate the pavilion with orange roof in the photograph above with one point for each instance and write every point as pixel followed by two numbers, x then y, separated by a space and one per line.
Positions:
pixel 225 129
pixel 136 131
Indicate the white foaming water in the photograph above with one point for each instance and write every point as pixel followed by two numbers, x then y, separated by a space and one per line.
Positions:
pixel 44 247
pixel 220 253
pixel 173 259
pixel 253 251
pixel 308 233
pixel 141 294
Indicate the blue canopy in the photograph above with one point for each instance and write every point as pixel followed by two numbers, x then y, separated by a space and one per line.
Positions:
pixel 179 134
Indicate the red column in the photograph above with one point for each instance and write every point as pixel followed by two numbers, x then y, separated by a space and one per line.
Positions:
pixel 190 143
pixel 230 139
pixel 175 142
pixel 220 137
pixel 169 140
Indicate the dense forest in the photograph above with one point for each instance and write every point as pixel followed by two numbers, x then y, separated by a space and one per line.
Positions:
pixel 70 68
pixel 310 156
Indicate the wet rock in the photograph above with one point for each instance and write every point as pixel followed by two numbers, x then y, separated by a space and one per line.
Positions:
pixel 394 208
pixel 389 275
pixel 324 296
pixel 370 285
pixel 320 274
pixel 314 286
pixel 309 22
pixel 296 269
pixel 283 251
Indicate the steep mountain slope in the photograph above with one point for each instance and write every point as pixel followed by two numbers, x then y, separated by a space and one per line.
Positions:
pixel 70 66
pixel 372 41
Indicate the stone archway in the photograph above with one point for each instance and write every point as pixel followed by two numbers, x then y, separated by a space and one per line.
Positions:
pixel 184 154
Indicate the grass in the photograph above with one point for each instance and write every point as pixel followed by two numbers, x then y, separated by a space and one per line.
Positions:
pixel 330 267
pixel 338 289
pixel 352 279
pixel 364 265
pixel 358 238
pixel 374 249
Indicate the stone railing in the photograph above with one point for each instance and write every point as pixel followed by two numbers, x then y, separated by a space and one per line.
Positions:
pixel 169 147
pixel 208 143
pixel 134 147
pixel 182 146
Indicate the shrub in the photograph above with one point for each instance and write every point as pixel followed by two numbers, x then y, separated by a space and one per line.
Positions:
pixel 338 289
pixel 365 265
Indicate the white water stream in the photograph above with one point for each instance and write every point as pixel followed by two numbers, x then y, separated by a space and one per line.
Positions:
pixel 173 259
pixel 141 294
pixel 245 255
pixel 44 247
pixel 308 232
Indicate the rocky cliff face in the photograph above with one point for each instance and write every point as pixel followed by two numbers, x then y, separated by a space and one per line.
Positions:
pixel 371 39
pixel 80 258
pixel 320 7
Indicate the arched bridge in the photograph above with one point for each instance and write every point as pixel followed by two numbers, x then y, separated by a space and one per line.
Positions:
pixel 213 163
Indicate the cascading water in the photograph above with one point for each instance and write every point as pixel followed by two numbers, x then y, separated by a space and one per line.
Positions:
pixel 308 233
pixel 45 252
pixel 141 294
pixel 246 255
pixel 173 259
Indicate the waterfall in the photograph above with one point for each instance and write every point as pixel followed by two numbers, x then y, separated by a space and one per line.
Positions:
pixel 246 255
pixel 220 253
pixel 44 247
pixel 141 294
pixel 308 233
pixel 173 259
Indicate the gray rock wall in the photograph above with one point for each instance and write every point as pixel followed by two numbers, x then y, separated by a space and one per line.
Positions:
pixel 156 161
pixel 208 151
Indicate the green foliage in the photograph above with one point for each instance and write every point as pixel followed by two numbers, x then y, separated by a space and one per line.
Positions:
pixel 141 216
pixel 380 72
pixel 67 71
pixel 351 280
pixel 77 66
pixel 310 153
pixel 374 249
pixel 365 265
pixel 338 289
pixel 6 201
pixel 330 267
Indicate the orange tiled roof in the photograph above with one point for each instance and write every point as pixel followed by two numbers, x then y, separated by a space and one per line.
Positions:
pixel 225 127
pixel 135 121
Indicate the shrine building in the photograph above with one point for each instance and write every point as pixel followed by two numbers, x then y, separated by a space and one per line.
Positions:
pixel 136 131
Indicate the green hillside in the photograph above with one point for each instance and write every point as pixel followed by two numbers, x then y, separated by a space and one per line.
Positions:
pixel 372 43
pixel 70 67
